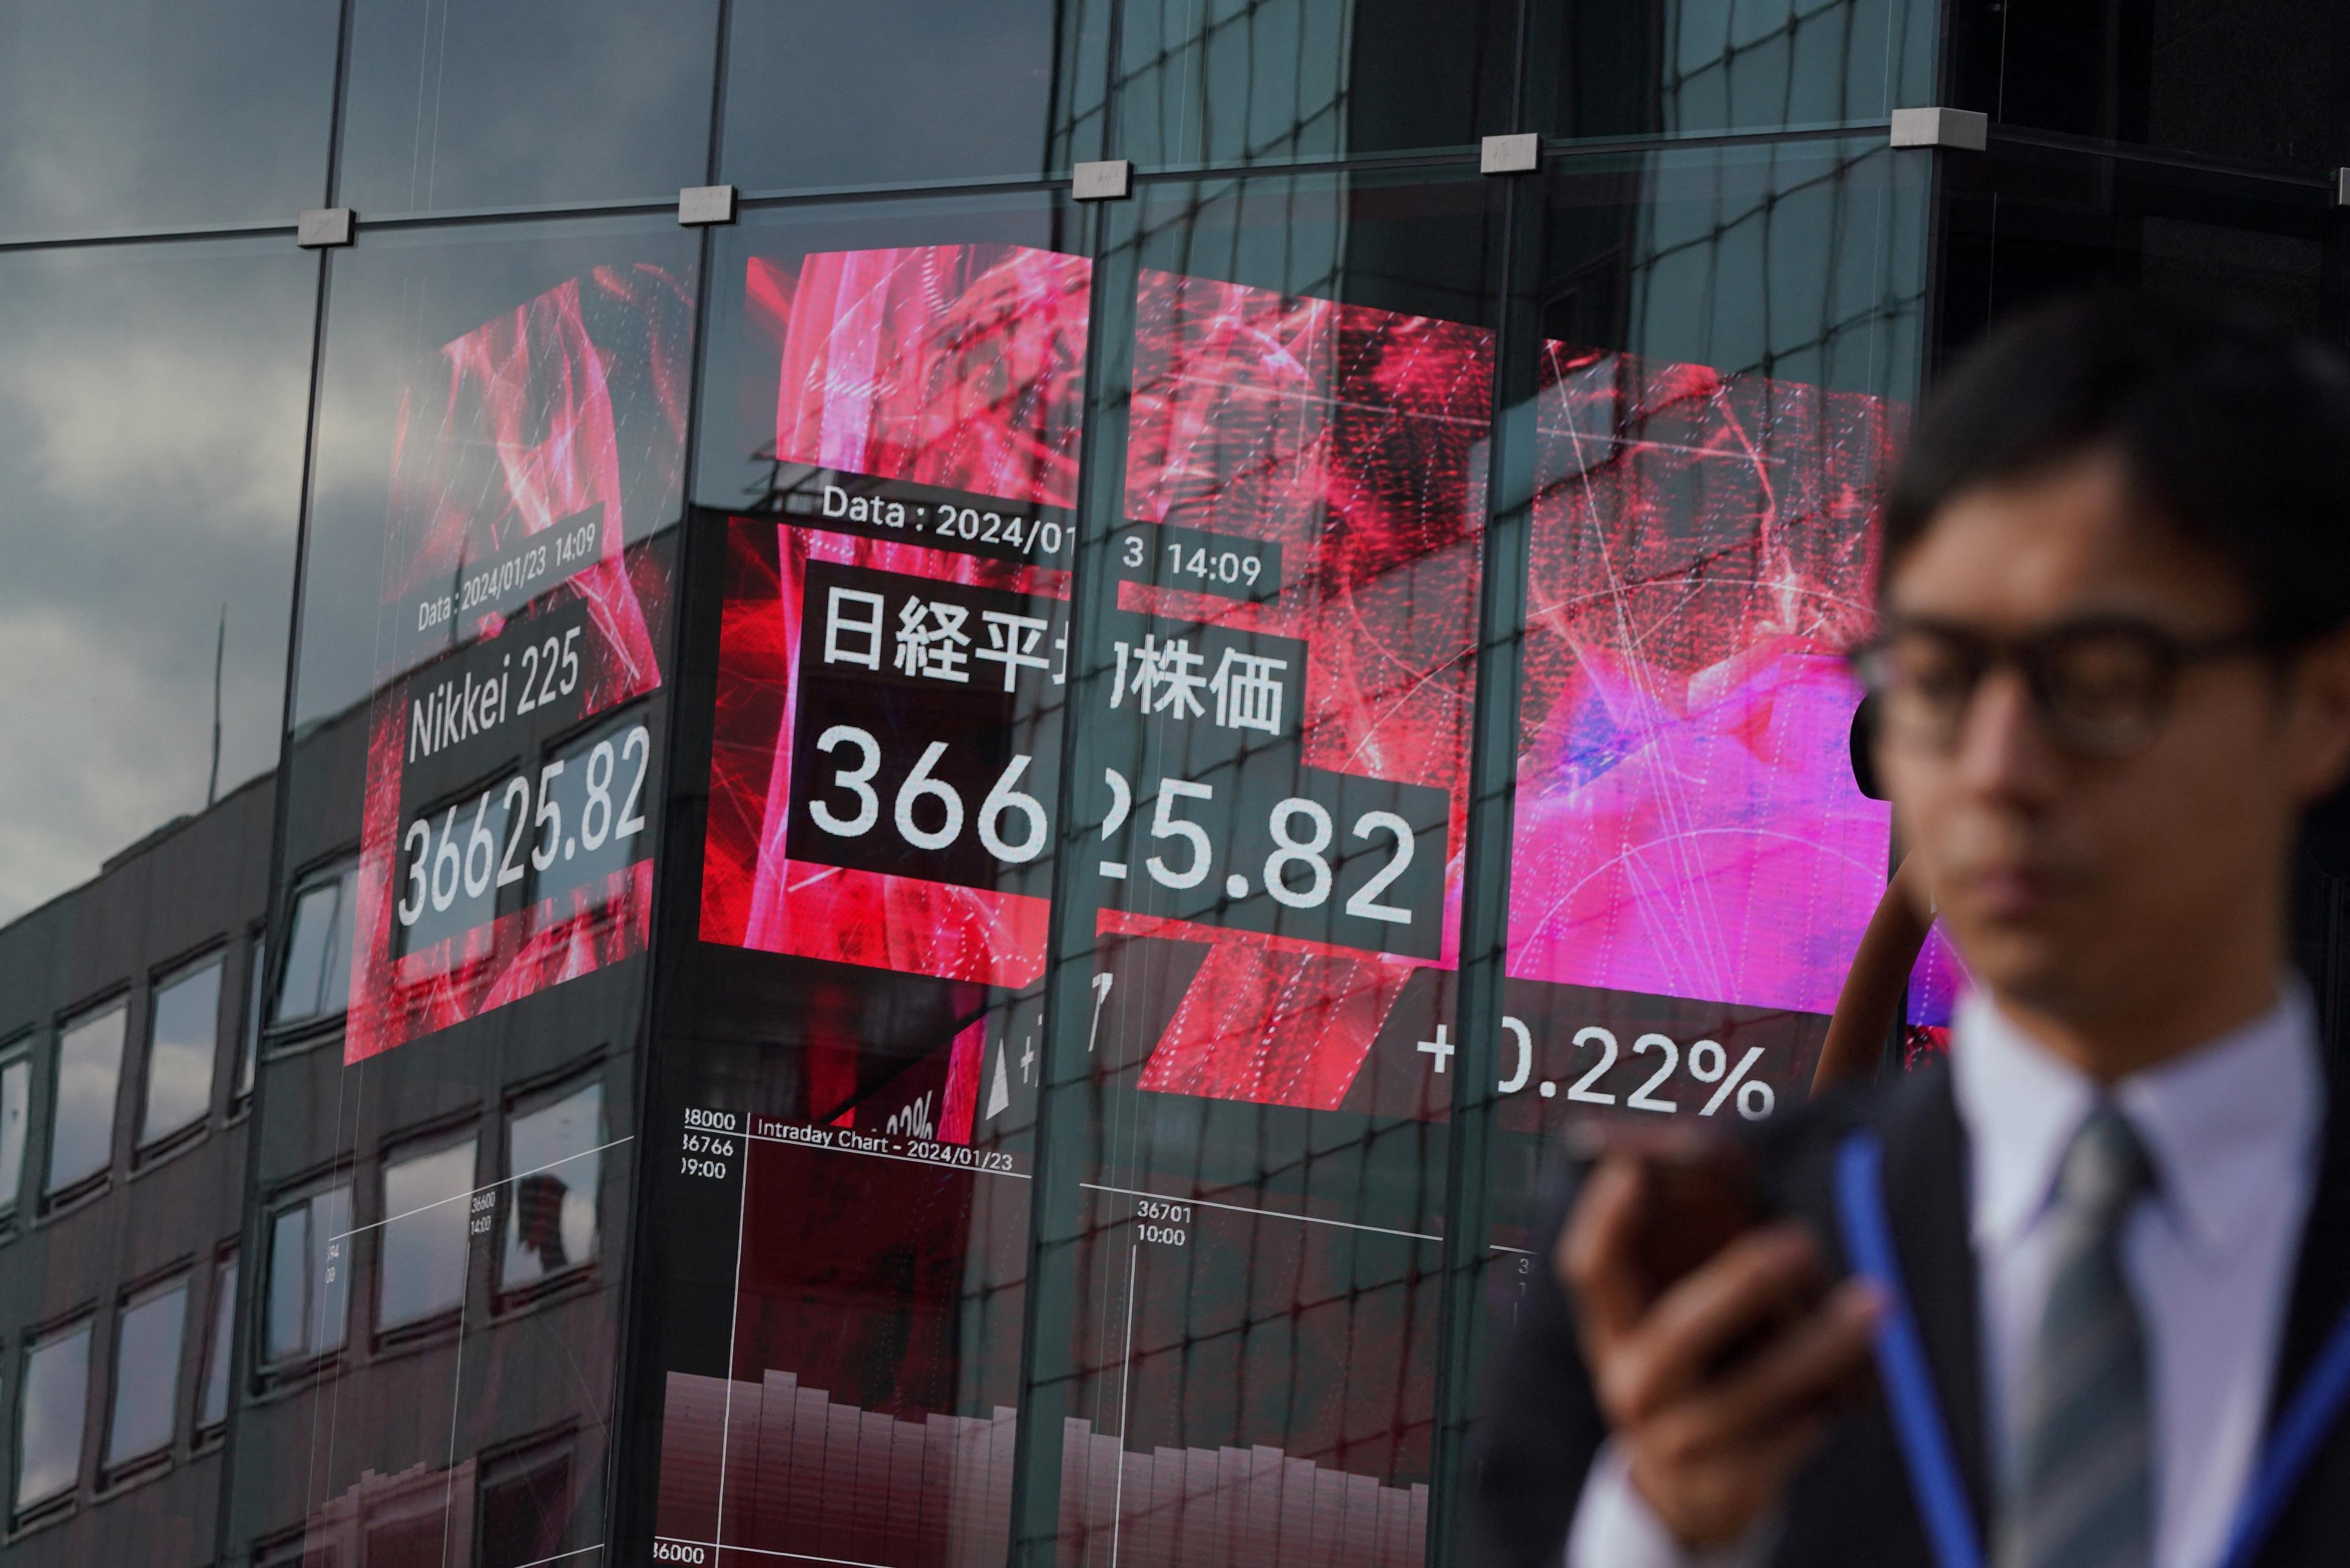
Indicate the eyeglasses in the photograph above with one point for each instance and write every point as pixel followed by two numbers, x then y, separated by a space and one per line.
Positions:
pixel 2102 685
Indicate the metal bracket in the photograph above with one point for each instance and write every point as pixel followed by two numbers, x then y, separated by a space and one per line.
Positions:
pixel 324 228
pixel 700 204
pixel 1520 154
pixel 1109 180
pixel 1964 129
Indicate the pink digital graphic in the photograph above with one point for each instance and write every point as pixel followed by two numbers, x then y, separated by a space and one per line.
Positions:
pixel 522 468
pixel 1688 825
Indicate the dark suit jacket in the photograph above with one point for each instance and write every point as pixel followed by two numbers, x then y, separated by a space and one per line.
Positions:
pixel 1852 1506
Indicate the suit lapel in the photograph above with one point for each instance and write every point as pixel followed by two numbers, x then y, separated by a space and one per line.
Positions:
pixel 2321 1280
pixel 1926 1192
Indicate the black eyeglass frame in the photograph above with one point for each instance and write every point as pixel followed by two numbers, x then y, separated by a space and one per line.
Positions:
pixel 2035 655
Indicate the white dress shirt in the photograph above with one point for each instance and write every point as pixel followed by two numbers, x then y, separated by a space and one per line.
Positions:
pixel 2231 1128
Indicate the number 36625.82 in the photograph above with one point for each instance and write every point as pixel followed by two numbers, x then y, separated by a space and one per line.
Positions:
pixel 440 861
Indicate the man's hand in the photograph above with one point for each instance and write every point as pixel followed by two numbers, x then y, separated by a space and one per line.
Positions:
pixel 1709 1446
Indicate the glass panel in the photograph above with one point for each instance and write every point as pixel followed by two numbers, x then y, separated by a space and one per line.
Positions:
pixel 329 1269
pixel 89 1070
pixel 895 407
pixel 212 1406
pixel 132 114
pixel 454 106
pixel 147 1376
pixel 287 1317
pixel 1241 1218
pixel 315 981
pixel 2257 80
pixel 551 1217
pixel 481 713
pixel 16 1104
pixel 250 1057
pixel 421 1268
pixel 899 92
pixel 53 1404
pixel 1645 68
pixel 183 1026
pixel 132 628
pixel 1270 81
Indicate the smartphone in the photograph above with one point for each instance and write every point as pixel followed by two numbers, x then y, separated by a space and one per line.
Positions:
pixel 1702 1195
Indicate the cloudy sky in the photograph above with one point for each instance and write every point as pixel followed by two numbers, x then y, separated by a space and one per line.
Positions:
pixel 153 398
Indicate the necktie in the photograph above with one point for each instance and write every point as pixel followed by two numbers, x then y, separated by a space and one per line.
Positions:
pixel 2081 1493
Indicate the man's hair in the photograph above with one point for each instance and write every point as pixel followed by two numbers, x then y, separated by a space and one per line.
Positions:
pixel 2234 430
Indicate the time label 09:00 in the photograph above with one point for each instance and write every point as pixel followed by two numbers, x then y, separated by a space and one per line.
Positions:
pixel 453 856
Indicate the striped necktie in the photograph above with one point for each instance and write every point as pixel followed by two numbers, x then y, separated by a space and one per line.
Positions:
pixel 2081 1491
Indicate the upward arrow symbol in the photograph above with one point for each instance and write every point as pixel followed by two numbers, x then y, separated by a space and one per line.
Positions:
pixel 999 1093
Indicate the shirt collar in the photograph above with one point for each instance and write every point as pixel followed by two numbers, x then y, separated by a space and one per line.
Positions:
pixel 2224 1123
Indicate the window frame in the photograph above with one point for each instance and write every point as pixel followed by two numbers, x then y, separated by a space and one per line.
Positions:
pixel 145 1150
pixel 245 1076
pixel 17 1051
pixel 281 1034
pixel 540 1094
pixel 115 1475
pixel 83 1319
pixel 216 1356
pixel 55 1198
pixel 273 1371
pixel 410 1143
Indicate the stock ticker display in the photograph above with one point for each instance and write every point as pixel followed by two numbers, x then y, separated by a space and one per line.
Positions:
pixel 1266 710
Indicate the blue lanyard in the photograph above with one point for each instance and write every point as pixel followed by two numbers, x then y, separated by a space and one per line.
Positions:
pixel 1925 1438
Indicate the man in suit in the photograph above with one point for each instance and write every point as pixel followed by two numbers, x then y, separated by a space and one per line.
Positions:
pixel 2114 666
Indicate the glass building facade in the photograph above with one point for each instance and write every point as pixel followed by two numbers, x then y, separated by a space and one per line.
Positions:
pixel 539 1020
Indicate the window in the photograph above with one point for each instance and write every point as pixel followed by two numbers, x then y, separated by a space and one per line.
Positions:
pixel 526 1506
pixel 212 1404
pixel 15 1094
pixel 317 980
pixel 147 1373
pixel 309 1276
pixel 52 1397
pixel 551 1213
pixel 245 1065
pixel 184 1027
pixel 423 1271
pixel 89 1069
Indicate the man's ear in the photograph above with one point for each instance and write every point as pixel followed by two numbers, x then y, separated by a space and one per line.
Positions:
pixel 2319 759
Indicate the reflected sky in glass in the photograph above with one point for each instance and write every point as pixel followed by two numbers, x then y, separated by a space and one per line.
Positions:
pixel 52 1408
pixel 89 1067
pixel 452 106
pixel 16 1084
pixel 422 1267
pixel 212 1409
pixel 154 398
pixel 145 114
pixel 186 1027
pixel 147 1374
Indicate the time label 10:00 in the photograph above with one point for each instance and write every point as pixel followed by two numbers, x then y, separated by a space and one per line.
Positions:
pixel 453 856
pixel 930 813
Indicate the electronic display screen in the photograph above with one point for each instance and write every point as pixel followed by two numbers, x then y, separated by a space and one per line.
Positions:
pixel 1693 863
pixel 893 659
pixel 1265 694
pixel 513 749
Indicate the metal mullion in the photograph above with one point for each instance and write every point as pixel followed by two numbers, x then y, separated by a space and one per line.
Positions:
pixel 1485 883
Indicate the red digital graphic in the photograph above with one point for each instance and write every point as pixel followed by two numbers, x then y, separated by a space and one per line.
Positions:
pixel 512 747
pixel 932 397
pixel 1354 439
